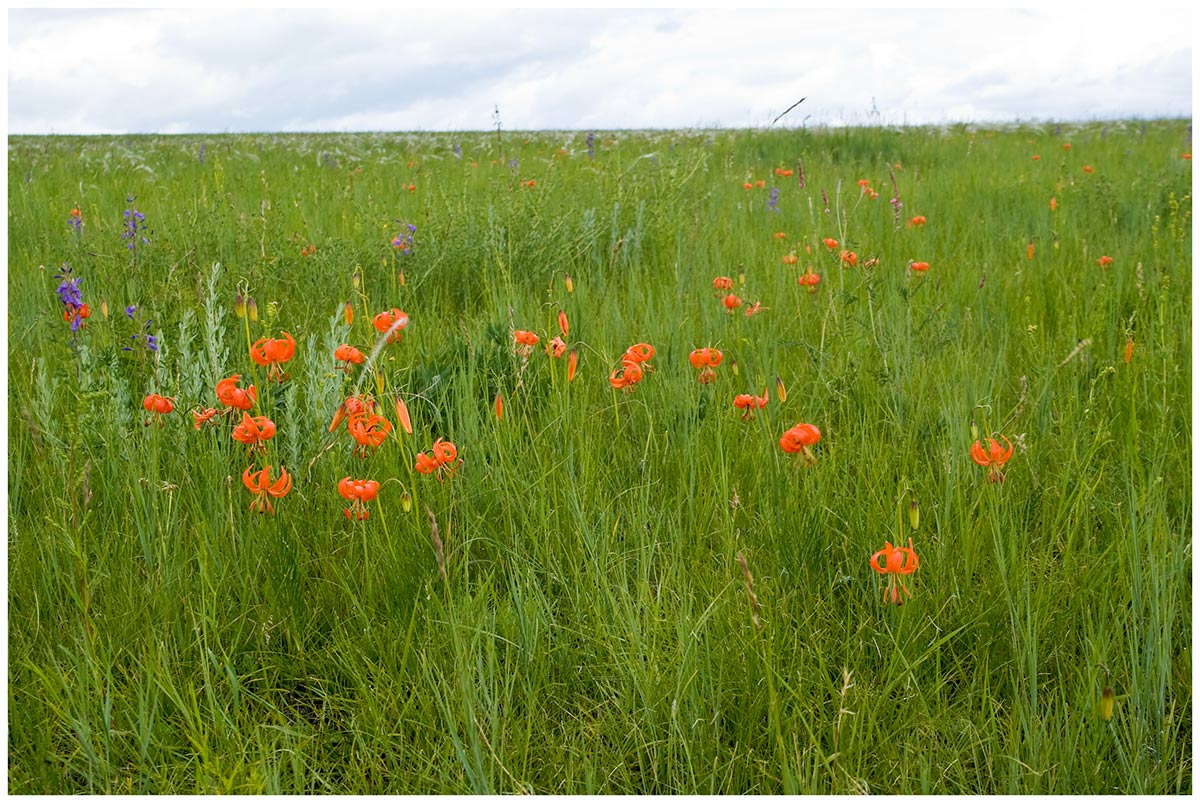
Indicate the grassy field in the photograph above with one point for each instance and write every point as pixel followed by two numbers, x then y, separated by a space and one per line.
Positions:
pixel 568 612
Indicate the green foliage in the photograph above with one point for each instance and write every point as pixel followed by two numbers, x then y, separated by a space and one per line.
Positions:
pixel 593 630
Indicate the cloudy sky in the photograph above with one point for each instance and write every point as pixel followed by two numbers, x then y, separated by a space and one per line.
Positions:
pixel 174 71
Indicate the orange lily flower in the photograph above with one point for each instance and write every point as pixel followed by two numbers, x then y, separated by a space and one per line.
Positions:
pixel 760 184
pixel 499 407
pixel 1029 250
pixel 259 483
pixel 780 235
pixel 731 302
pixel 524 342
pixel 755 308
pixel 639 352
pixel 358 492
pixel 797 440
pixel 919 267
pixel 917 220
pixel 390 322
pixel 895 561
pixel 442 459
pixel 722 283
pixel 1104 261
pixel 273 352
pixel 625 377
pixel 863 184
pixel 572 364
pixel 790 259
pixel 346 354
pixel 1128 350
pixel 830 243
pixel 254 431
pixel 159 405
pixel 202 416
pixel 564 325
pixel 369 430
pixel 849 258
pixel 348 313
pixel 162 405
pixel 1053 203
pixel 705 360
pixel 77 314
pixel 233 397
pixel 556 348
pixel 748 401
pixel 747 186
pixel 809 280
pixel 993 457
pixel 700 358
pixel 1089 169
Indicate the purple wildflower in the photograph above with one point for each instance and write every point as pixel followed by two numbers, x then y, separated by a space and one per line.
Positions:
pixel 800 173
pixel 201 155
pixel 457 151
pixel 74 310
pixel 514 164
pixel 135 224
pixel 591 144
pixel 773 199
pixel 75 219
pixel 403 241
pixel 132 308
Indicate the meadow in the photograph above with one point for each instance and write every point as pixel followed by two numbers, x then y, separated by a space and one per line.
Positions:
pixel 609 584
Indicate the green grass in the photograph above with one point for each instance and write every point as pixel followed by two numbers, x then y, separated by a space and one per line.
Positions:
pixel 593 632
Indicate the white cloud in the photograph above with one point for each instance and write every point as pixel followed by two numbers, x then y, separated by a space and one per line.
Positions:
pixel 85 71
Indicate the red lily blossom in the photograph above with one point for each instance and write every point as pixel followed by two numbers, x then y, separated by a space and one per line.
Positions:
pixel 273 352
pixel 233 397
pixel 894 562
pixel 442 459
pixel 993 457
pixel 358 492
pixel 391 323
pixel 259 483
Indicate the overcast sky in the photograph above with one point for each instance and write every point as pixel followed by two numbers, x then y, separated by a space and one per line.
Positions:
pixel 86 71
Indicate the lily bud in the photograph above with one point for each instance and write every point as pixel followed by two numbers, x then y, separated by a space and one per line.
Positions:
pixel 570 284
pixel 1106 703
pixel 914 514
pixel 348 312
pixel 406 501
pixel 974 432
pixel 251 308
pixel 239 306
pixel 780 390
